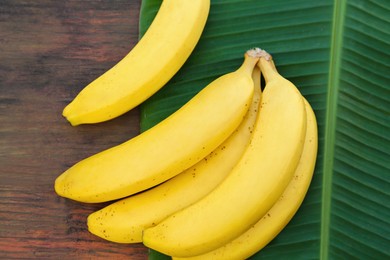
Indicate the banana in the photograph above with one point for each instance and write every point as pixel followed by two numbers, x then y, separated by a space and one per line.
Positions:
pixel 125 220
pixel 270 225
pixel 165 150
pixel 253 186
pixel 154 60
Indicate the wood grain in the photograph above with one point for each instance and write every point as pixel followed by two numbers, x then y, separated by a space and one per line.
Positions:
pixel 49 50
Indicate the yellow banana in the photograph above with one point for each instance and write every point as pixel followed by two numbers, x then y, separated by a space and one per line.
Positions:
pixel 159 54
pixel 165 150
pixel 270 225
pixel 125 220
pixel 253 186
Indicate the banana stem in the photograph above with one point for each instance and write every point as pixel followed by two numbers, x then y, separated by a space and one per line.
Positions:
pixel 267 66
pixel 251 58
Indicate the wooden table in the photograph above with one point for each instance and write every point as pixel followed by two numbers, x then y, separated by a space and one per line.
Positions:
pixel 49 50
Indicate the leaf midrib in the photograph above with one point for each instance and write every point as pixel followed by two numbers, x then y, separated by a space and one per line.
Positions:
pixel 339 11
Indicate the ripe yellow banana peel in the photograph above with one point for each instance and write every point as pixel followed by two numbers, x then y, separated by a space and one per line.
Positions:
pixel 165 150
pixel 154 60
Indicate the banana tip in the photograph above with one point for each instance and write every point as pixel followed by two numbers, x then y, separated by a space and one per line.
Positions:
pixel 65 111
pixel 69 119
pixel 67 114
pixel 59 186
pixel 58 189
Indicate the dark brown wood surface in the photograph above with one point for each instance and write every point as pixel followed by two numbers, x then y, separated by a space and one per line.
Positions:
pixel 49 50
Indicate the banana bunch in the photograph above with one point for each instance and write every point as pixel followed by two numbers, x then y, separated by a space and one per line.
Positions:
pixel 220 177
pixel 263 191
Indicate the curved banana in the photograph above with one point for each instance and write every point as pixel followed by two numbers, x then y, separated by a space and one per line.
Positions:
pixel 159 54
pixel 270 225
pixel 254 185
pixel 125 220
pixel 165 150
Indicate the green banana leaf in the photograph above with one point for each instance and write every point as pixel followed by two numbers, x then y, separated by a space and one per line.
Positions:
pixel 338 55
